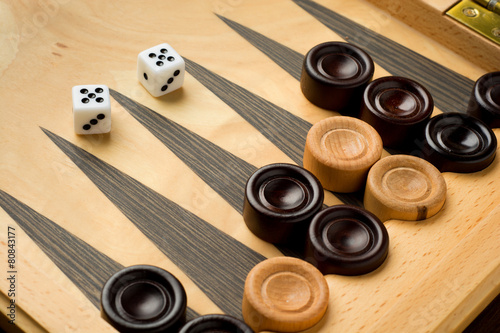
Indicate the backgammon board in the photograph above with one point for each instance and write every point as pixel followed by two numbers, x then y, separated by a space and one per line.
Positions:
pixel 165 186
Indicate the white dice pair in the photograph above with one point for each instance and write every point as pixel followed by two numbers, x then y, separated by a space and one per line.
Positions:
pixel 160 70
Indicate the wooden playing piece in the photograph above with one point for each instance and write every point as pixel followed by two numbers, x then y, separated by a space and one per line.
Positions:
pixel 334 75
pixel 284 294
pixel 216 323
pixel 346 240
pixel 280 202
pixel 340 151
pixel 166 186
pixel 404 187
pixel 485 99
pixel 458 142
pixel 398 108
pixel 144 298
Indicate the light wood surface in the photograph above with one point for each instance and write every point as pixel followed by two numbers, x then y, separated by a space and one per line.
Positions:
pixel 429 17
pixel 101 193
pixel 404 187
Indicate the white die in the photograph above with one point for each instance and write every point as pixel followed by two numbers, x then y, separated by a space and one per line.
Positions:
pixel 91 109
pixel 160 69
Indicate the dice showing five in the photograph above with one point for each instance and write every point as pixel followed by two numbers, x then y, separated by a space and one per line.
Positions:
pixel 160 69
pixel 91 109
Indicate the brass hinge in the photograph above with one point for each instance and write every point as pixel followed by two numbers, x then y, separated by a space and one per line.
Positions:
pixel 491 5
pixel 483 16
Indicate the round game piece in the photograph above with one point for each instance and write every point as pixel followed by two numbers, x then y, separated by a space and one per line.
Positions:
pixel 280 201
pixel 398 108
pixel 334 75
pixel 144 299
pixel 404 187
pixel 458 142
pixel 346 240
pixel 340 151
pixel 485 100
pixel 284 294
pixel 216 323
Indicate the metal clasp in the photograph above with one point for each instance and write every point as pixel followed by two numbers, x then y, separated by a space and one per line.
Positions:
pixel 483 16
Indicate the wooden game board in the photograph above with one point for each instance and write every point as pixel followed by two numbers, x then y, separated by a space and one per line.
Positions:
pixel 165 187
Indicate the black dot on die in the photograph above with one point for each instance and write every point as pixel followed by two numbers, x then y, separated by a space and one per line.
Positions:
pixel 170 58
pixel 161 57
pixel 93 121
pixel 159 63
pixel 152 55
pixel 163 51
pixel 84 91
pixel 85 100
pixel 145 76
pixel 177 72
pixel 86 127
pixel 170 80
pixel 91 95
pixel 100 116
pixel 99 90
pixel 99 100
pixel 164 88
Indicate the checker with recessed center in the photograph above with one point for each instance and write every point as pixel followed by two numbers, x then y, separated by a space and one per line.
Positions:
pixel 193 174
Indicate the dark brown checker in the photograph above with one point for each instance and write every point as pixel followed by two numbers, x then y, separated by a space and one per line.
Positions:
pixel 137 196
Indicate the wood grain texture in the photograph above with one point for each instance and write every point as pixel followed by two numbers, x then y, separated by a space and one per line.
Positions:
pixel 405 188
pixel 283 128
pixel 455 292
pixel 284 295
pixel 224 172
pixel 339 151
pixel 488 320
pixel 429 18
pixel 85 266
pixel 451 91
pixel 48 49
pixel 288 59
pixel 187 240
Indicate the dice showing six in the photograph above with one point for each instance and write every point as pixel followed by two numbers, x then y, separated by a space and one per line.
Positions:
pixel 91 109
pixel 160 69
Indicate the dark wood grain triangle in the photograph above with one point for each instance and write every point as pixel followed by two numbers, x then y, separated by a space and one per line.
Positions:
pixel 217 263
